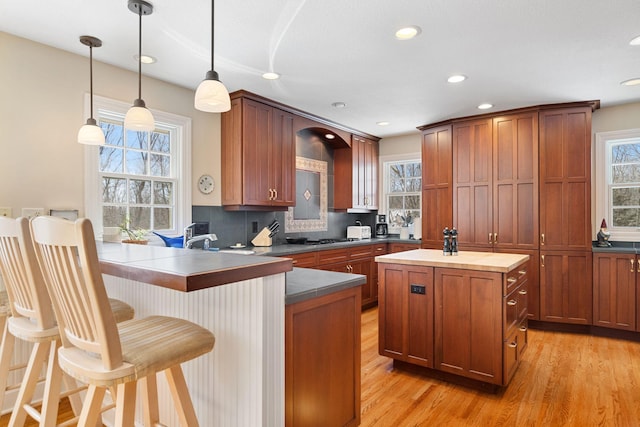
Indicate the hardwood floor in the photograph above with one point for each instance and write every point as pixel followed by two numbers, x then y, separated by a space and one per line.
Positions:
pixel 564 380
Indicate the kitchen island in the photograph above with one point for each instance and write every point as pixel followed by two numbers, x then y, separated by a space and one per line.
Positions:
pixel 241 299
pixel 464 315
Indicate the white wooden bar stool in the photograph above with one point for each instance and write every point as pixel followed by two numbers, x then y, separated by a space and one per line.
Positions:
pixel 33 320
pixel 100 352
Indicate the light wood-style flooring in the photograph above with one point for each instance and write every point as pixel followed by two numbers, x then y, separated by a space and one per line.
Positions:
pixel 564 380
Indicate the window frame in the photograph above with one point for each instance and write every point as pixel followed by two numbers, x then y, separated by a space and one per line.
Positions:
pixel 180 160
pixel 603 208
pixel 385 161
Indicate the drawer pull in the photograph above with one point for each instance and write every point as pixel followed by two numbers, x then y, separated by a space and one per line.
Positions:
pixel 522 291
pixel 512 280
pixel 542 257
pixel 523 329
pixel 511 302
pixel 522 272
pixel 495 238
pixel 513 344
pixel 631 261
pixel 295 261
pixel 490 238
pixel 542 243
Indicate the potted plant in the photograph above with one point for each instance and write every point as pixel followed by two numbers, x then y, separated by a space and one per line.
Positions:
pixel 135 235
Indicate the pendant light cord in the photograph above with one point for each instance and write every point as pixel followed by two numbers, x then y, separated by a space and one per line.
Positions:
pixel 140 53
pixel 212 21
pixel 91 78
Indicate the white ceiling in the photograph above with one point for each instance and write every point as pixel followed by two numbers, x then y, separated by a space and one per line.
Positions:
pixel 515 52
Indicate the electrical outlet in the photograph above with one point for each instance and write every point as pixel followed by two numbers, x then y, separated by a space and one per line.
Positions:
pixel 32 212
pixel 5 212
pixel 254 226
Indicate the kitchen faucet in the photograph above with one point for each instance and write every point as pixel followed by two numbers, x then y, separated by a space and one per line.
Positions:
pixel 208 238
pixel 188 234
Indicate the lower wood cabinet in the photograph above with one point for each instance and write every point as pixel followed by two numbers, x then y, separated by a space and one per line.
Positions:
pixel 322 360
pixel 615 290
pixel 464 322
pixel 566 287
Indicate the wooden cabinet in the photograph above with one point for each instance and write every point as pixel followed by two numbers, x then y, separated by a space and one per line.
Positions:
pixel 565 179
pixel 406 307
pixel 401 247
pixel 258 156
pixel 566 286
pixel 495 184
pixel 436 184
pixel 322 361
pixel 615 290
pixel 465 322
pixel 356 175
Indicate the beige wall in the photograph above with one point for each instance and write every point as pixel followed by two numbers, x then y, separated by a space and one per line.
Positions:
pixel 41 111
pixel 401 144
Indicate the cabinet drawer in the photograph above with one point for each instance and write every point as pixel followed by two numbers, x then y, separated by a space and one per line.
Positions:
pixel 361 252
pixel 511 353
pixel 514 278
pixel 379 249
pixel 523 336
pixel 514 307
pixel 305 260
pixel 333 255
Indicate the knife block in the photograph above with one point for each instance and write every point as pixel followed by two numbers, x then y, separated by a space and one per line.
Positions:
pixel 262 239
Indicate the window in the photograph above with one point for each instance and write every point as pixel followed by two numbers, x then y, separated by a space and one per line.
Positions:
pixel 403 192
pixel 142 176
pixel 618 183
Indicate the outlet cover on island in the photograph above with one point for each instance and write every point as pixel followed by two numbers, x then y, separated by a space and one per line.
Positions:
pixel 32 212
pixel 5 212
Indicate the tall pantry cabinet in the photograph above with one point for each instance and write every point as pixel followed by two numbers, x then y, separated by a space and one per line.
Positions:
pixel 519 182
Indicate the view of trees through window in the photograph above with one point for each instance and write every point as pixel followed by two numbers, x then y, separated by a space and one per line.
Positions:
pixel 624 183
pixel 136 177
pixel 404 188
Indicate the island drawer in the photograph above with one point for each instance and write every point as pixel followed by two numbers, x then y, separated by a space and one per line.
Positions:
pixel 514 278
pixel 514 307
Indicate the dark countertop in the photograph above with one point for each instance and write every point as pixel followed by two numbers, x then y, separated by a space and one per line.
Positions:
pixel 618 247
pixel 304 283
pixel 184 269
pixel 283 250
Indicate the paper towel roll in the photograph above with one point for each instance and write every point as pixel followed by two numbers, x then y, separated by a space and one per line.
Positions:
pixel 417 228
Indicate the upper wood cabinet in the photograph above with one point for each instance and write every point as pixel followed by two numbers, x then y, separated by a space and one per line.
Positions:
pixel 495 182
pixel 565 179
pixel 436 185
pixel 356 175
pixel 258 157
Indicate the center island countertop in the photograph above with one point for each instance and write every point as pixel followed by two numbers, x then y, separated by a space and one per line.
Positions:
pixel 481 261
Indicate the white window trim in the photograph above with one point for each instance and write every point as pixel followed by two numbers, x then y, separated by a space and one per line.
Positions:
pixel 602 178
pixel 92 190
pixel 404 157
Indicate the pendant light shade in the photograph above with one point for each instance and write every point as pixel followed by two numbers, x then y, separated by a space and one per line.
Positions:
pixel 211 95
pixel 139 118
pixel 91 133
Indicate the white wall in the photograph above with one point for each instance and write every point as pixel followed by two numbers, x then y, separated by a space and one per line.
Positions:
pixel 41 109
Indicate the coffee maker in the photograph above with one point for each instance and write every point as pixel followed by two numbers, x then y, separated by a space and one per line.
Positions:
pixel 382 229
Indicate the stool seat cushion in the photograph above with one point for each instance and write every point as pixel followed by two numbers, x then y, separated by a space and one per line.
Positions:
pixel 149 345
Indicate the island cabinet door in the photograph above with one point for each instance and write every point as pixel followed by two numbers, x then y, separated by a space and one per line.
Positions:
pixel 405 313
pixel 468 323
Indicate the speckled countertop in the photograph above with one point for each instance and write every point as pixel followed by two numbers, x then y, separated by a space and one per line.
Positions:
pixel 619 247
pixel 283 250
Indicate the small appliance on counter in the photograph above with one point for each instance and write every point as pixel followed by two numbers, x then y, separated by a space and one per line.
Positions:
pixel 382 228
pixel 263 238
pixel 358 232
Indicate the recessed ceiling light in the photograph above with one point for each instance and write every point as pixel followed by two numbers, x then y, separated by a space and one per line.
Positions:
pixel 145 59
pixel 271 76
pixel 383 123
pixel 631 82
pixel 330 136
pixel 407 33
pixel 457 78
pixel 339 105
pixel 635 41
pixel 485 106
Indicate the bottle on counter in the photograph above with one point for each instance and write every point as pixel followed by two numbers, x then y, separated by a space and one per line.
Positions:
pixel 454 241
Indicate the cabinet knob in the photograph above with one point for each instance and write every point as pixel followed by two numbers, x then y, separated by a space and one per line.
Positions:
pixel 513 344
pixel 522 272
pixel 512 280
pixel 522 291
pixel 523 329
pixel 511 302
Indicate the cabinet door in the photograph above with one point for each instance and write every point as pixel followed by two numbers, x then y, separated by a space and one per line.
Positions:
pixel 566 287
pixel 363 266
pixel 437 169
pixel 406 313
pixel 565 179
pixel 371 174
pixel 472 183
pixel 468 323
pixel 257 134
pixel 614 290
pixel 515 181
pixel 283 160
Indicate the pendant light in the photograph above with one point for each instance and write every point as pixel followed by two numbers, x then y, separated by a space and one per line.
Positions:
pixel 211 95
pixel 91 133
pixel 139 118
